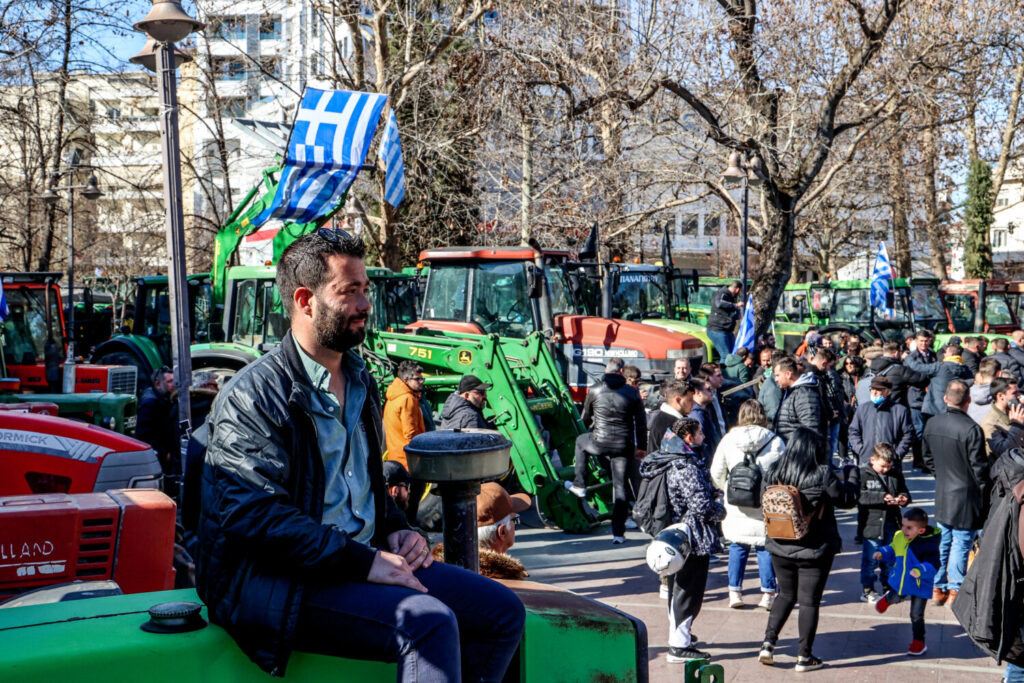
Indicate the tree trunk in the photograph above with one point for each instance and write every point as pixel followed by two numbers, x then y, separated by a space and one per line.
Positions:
pixel 898 206
pixel 971 131
pixel 776 261
pixel 935 227
pixel 526 184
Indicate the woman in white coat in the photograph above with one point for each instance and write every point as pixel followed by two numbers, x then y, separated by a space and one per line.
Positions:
pixel 744 526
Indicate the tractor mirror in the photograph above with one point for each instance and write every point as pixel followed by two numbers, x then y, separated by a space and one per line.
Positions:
pixel 695 280
pixel 616 280
pixel 536 282
pixel 87 298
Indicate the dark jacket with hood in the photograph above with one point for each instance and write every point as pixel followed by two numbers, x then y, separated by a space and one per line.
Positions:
pixel 902 378
pixel 948 371
pixel 801 406
pixel 708 424
pixel 820 500
pixel 888 422
pixel 723 314
pixel 833 398
pixel 878 515
pixel 616 412
pixel 954 449
pixel 925 363
pixel 459 413
pixel 261 539
pixel 988 605
pixel 735 368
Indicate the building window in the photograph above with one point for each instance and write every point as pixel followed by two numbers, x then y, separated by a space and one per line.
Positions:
pixel 228 27
pixel 271 66
pixel 229 68
pixel 113 112
pixel 998 238
pixel 1003 201
pixel 270 27
pixel 233 106
pixel 690 225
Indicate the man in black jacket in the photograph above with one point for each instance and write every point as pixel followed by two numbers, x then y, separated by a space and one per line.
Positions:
pixel 973 352
pixel 955 452
pixel 722 317
pixel 300 545
pixel 616 413
pixel 833 400
pixel 678 402
pixel 1001 353
pixel 921 356
pixel 154 423
pixel 801 404
pixel 902 377
pixel 463 409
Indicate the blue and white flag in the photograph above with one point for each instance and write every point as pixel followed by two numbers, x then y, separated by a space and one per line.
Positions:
pixel 745 337
pixel 880 277
pixel 390 153
pixel 326 150
pixel 4 312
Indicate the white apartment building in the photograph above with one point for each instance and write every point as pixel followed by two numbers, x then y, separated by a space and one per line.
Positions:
pixel 1007 233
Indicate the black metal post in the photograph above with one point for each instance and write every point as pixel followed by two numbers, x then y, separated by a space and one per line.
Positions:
pixel 743 244
pixel 69 362
pixel 458 505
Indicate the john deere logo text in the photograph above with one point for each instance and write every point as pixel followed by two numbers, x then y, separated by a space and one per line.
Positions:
pixel 466 357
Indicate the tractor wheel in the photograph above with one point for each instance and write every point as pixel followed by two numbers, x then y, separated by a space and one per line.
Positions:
pixel 143 370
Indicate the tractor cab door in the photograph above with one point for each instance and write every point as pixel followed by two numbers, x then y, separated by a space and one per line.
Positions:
pixel 961 307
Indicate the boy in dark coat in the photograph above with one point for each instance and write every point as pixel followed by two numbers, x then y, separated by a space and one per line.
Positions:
pixel 914 556
pixel 883 491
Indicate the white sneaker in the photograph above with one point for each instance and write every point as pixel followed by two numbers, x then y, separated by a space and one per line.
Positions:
pixel 735 599
pixel 663 591
pixel 618 540
pixel 575 490
pixel 766 601
pixel 631 525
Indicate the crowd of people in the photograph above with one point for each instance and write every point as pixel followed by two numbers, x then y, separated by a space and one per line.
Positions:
pixel 839 422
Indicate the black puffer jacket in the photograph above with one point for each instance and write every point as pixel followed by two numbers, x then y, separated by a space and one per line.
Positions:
pixel 954 449
pixel 902 378
pixel 1008 362
pixel 801 407
pixel 723 314
pixel 260 533
pixel 459 413
pixel 617 415
pixel 822 497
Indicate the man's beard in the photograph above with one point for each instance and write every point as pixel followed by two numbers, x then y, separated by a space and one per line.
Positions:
pixel 333 330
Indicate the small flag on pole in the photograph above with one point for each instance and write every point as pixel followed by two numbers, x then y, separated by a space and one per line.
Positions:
pixel 880 278
pixel 326 150
pixel 3 305
pixel 745 337
pixel 390 153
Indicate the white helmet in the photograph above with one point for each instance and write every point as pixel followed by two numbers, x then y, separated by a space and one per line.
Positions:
pixel 667 551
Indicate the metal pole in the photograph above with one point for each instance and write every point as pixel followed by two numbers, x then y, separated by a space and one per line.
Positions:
pixel 175 223
pixel 458 503
pixel 69 362
pixel 743 244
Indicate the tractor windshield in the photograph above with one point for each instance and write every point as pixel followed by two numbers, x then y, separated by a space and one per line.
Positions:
pixel 394 303
pixel 500 299
pixel 27 327
pixel 638 296
pixel 997 310
pixel 259 315
pixel 561 297
pixel 927 303
pixel 853 307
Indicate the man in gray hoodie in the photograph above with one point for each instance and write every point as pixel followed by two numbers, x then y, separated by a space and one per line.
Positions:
pixel 981 400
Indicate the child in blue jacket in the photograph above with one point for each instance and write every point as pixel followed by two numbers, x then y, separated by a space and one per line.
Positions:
pixel 914 557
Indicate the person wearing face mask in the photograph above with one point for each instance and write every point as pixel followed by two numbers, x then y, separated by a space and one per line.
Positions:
pixel 881 420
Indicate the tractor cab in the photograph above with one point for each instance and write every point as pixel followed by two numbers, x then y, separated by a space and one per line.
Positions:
pixel 852 308
pixel 394 298
pixel 513 291
pixel 33 331
pixel 926 305
pixel 978 306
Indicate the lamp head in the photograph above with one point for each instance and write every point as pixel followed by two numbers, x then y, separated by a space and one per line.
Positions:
pixel 146 57
pixel 755 172
pixel 735 171
pixel 92 190
pixel 168 22
pixel 50 196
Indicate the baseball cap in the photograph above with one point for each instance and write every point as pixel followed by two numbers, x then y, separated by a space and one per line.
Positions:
pixel 494 504
pixel 881 383
pixel 395 473
pixel 471 383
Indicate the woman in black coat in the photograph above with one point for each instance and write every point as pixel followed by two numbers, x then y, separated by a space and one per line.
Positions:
pixel 802 566
pixel 853 370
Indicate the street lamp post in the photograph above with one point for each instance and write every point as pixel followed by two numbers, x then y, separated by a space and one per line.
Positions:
pixel 166 24
pixel 90 191
pixel 748 172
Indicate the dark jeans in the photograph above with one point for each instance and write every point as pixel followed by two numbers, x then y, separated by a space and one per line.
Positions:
pixel 803 582
pixel 625 475
pixel 685 597
pixel 917 605
pixel 722 342
pixel 467 627
pixel 919 419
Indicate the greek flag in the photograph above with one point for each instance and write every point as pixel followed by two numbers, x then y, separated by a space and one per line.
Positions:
pixel 745 337
pixel 880 277
pixel 326 150
pixel 390 153
pixel 3 305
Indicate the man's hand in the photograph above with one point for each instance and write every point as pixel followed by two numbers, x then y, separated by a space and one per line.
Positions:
pixel 393 570
pixel 877 555
pixel 916 573
pixel 1016 413
pixel 902 500
pixel 412 547
pixel 888 499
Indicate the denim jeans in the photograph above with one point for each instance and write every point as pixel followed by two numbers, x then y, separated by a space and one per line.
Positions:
pixel 723 342
pixel 868 564
pixel 1014 673
pixel 738 554
pixel 954 546
pixel 466 627
pixel 833 440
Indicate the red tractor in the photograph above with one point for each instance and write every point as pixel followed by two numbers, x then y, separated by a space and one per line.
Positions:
pixel 513 291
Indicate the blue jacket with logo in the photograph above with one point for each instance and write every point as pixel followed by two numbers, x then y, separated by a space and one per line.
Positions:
pixel 922 553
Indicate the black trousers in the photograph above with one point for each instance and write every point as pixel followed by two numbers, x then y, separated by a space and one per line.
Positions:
pixel 625 473
pixel 685 598
pixel 803 582
pixel 917 605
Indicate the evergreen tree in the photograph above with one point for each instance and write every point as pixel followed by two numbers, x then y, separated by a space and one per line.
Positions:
pixel 978 221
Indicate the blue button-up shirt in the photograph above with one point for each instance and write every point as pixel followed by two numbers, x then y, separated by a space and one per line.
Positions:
pixel 348 497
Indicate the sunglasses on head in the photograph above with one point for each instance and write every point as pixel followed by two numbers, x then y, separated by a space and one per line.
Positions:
pixel 332 235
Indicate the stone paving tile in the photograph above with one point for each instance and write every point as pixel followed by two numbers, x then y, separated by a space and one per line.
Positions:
pixel 857 643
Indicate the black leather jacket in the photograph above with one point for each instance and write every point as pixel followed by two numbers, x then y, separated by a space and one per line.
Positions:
pixel 617 414
pixel 260 533
pixel 723 313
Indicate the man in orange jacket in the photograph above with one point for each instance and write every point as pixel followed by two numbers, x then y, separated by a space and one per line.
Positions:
pixel 403 419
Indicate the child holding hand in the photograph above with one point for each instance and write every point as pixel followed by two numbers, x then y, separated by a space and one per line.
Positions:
pixel 914 557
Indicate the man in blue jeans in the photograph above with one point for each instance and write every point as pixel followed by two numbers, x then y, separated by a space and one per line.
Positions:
pixel 300 544
pixel 722 317
pixel 954 450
